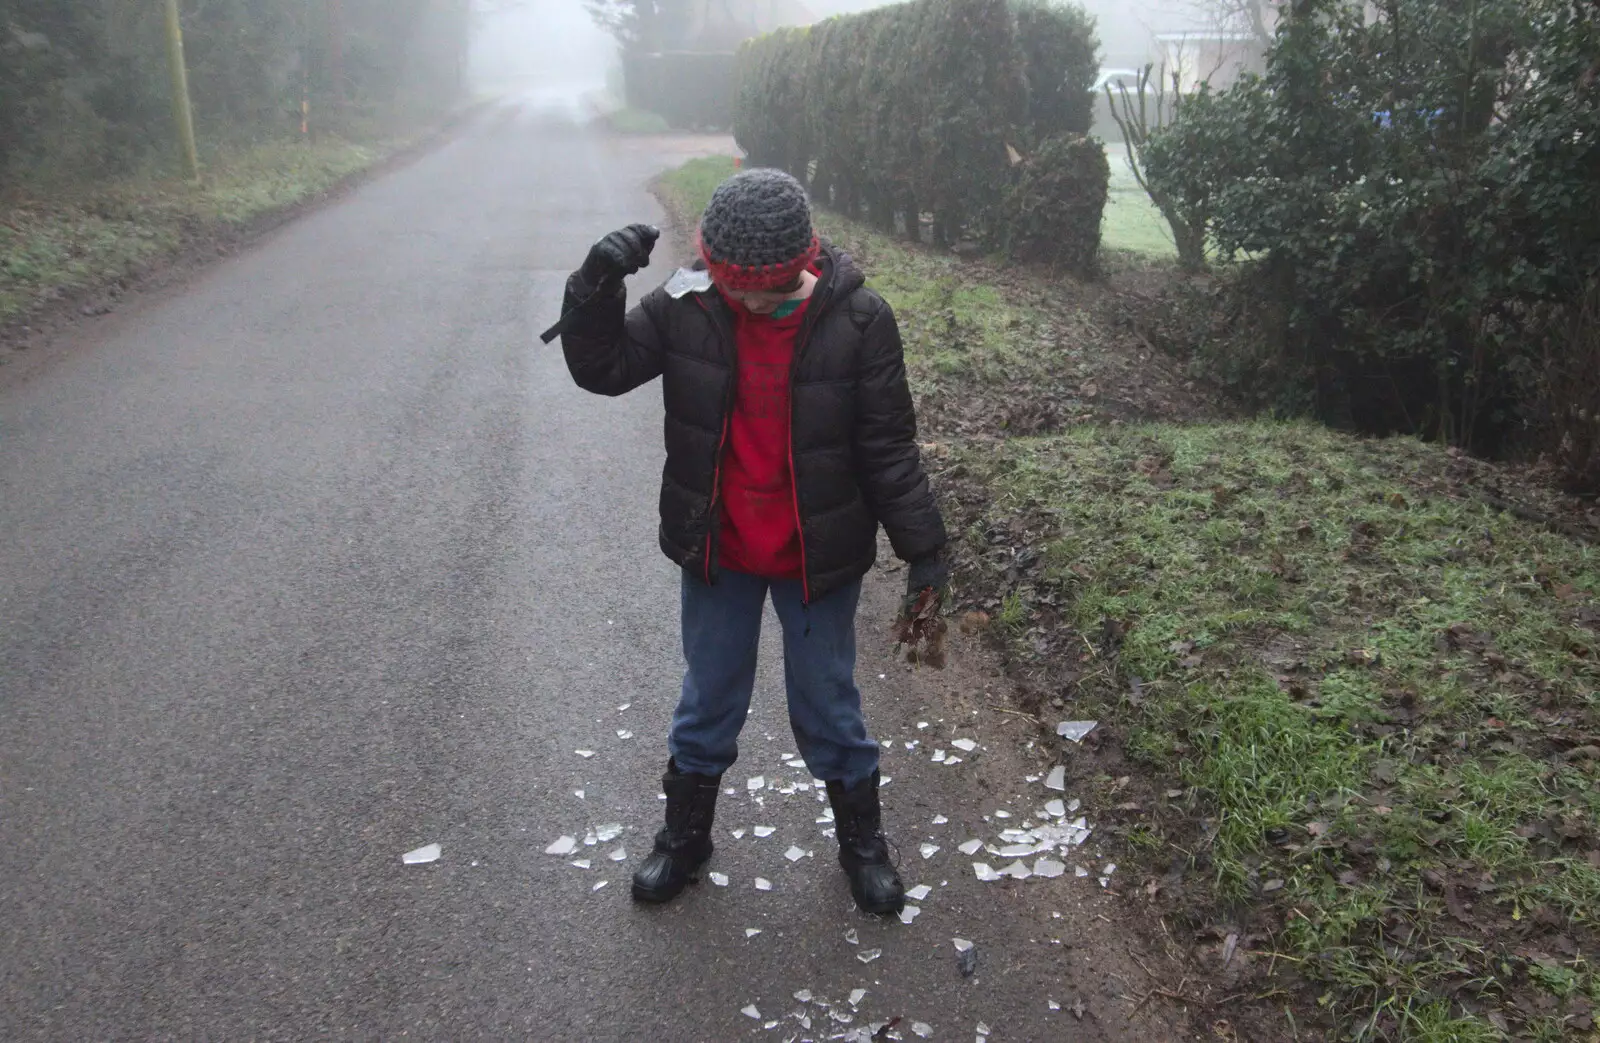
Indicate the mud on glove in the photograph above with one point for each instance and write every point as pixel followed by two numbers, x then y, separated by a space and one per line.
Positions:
pixel 920 621
pixel 615 256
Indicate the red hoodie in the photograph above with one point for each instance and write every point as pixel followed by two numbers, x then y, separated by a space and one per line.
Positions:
pixel 760 528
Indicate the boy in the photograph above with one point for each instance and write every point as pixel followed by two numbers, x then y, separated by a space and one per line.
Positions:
pixel 790 438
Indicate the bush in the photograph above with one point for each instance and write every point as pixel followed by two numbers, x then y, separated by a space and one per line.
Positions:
pixel 688 90
pixel 1052 214
pixel 908 110
pixel 1418 188
pixel 1060 60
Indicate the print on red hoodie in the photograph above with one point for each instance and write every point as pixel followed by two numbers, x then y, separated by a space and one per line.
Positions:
pixel 760 533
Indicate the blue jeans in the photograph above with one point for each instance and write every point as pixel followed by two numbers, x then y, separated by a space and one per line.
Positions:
pixel 721 632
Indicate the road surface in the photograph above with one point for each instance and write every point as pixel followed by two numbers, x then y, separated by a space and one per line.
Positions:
pixel 321 558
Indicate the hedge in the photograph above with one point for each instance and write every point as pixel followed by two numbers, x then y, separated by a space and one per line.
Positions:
pixel 909 110
pixel 687 89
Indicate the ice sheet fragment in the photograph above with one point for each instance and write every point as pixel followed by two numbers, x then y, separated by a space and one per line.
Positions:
pixel 619 855
pixel 928 851
pixel 869 955
pixel 422 855
pixel 720 879
pixel 939 820
pixel 970 847
pixel 582 863
pixel 751 932
pixel 919 893
pixel 857 996
pixel 1056 809
pixel 585 754
pixel 909 913
pixel 922 1028
pixel 751 1012
pixel 623 733
pixel 757 783
pixel 1057 779
pixel 985 872
pixel 765 831
pixel 852 936
pixel 763 884
pixel 1017 870
pixel 1049 868
pixel 608 832
pixel 1074 731
pixel 738 834
pixel 794 854
pixel 564 846
pixel 598 886
pixel 964 745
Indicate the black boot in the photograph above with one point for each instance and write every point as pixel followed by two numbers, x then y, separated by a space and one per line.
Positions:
pixel 684 843
pixel 863 852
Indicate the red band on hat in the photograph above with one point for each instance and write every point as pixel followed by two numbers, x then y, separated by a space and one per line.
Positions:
pixel 759 278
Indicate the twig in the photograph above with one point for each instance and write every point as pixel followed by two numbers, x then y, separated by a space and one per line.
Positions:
pixel 1014 713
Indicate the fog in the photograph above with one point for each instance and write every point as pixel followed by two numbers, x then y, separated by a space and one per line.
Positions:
pixel 553 49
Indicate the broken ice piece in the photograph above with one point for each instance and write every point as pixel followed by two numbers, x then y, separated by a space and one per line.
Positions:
pixel 422 855
pixel 598 886
pixel 841 1017
pixel 582 863
pixel 857 996
pixel 751 1012
pixel 885 780
pixel 1054 1005
pixel 564 846
pixel 769 1026
pixel 751 932
pixel 962 945
pixel 623 733
pixel 794 854
pixel 1074 731
pixel 869 955
pixel 1030 778
pixel 729 791
pixel 852 936
pixel 624 706
pixel 804 995
pixel 585 754
pixel 720 879
pixel 909 913
pixel 921 725
pixel 765 831
pixel 763 884
pixel 1017 870
pixel 929 850
pixel 1002 814
pixel 1057 779
pixel 619 855
pixel 985 872
pixel 952 759
pixel 922 1028
pixel 970 847
pixel 757 783
pixel 938 756
pixel 939 820
pixel 738 834
pixel 1049 868
pixel 964 745
pixel 1109 869
pixel 578 793
pixel 1080 872
pixel 920 892
pixel 608 832
pixel 795 763
pixel 1055 808
pixel 1016 850
pixel 983 1030
pixel 590 839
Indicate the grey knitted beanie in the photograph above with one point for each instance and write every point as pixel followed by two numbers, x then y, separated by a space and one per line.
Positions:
pixel 756 233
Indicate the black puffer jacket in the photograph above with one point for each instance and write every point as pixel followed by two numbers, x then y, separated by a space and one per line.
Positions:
pixel 852 427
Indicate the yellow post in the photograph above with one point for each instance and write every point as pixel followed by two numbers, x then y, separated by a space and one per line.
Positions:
pixel 182 113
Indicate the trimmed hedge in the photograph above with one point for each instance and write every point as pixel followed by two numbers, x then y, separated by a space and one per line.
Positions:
pixel 908 110
pixel 1052 214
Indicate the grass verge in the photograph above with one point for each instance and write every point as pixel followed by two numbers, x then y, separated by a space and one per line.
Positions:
pixel 1355 705
pixel 60 246
pixel 636 121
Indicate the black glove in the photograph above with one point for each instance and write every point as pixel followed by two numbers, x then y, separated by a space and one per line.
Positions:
pixel 930 573
pixel 620 254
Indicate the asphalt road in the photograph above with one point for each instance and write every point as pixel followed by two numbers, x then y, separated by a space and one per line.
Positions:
pixel 321 558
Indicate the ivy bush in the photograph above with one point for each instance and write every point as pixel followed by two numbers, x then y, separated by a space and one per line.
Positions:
pixel 1417 196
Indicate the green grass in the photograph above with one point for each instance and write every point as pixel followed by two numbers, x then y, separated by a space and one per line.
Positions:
pixel 1367 682
pixel 1132 222
pixel 93 236
pixel 637 121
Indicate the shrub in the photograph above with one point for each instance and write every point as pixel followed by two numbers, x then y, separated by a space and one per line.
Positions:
pixel 1052 214
pixel 1418 187
pixel 909 109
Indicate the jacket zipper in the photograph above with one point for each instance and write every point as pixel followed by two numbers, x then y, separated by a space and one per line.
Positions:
pixel 801 340
pixel 722 440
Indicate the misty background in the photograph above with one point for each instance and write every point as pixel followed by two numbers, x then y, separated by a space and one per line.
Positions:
pixel 554 47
